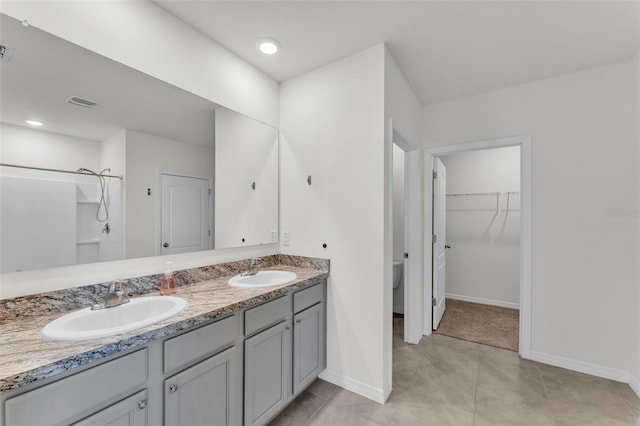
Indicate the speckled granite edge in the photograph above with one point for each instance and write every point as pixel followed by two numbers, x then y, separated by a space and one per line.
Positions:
pixel 27 358
pixel 134 340
pixel 71 299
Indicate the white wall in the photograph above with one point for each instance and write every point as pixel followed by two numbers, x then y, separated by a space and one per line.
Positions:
pixel 39 148
pixel 332 128
pixel 147 157
pixel 113 152
pixel 246 152
pixel 145 37
pixel 635 372
pixel 585 163
pixel 398 222
pixel 483 263
pixel 140 35
pixel 403 124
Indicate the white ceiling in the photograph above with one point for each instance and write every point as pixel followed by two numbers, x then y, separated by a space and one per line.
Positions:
pixel 46 70
pixel 446 49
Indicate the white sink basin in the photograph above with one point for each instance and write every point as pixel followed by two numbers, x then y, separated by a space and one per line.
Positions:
pixel 87 324
pixel 263 279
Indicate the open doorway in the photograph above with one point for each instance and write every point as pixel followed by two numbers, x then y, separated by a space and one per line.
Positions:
pixel 524 315
pixel 407 235
pixel 476 251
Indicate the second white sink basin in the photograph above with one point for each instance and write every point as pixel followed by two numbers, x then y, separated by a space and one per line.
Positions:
pixel 86 324
pixel 263 279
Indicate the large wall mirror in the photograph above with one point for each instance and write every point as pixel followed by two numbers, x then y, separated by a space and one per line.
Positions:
pixel 150 170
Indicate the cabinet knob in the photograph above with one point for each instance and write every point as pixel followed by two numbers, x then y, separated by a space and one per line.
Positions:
pixel 165 245
pixel 287 327
pixel 298 321
pixel 173 388
pixel 142 404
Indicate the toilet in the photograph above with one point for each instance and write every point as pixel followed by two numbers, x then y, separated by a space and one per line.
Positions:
pixel 397 273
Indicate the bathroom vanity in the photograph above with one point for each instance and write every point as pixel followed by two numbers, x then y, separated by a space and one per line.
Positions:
pixel 233 356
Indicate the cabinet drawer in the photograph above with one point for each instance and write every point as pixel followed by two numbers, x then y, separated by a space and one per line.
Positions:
pixel 131 411
pixel 307 297
pixel 265 315
pixel 194 345
pixel 83 393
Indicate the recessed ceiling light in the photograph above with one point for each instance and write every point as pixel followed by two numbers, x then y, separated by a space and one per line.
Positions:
pixel 34 123
pixel 268 46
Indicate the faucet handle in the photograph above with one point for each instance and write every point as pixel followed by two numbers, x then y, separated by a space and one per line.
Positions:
pixel 116 286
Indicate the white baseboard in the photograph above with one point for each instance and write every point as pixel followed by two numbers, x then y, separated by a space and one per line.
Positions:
pixel 584 367
pixel 635 385
pixel 398 309
pixel 499 303
pixel 376 394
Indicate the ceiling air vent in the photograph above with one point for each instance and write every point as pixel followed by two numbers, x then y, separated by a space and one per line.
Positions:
pixel 78 101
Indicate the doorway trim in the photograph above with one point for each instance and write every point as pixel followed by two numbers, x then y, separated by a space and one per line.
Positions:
pixel 158 236
pixel 524 142
pixel 412 272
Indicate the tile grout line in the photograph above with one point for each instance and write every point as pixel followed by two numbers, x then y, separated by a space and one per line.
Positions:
pixel 306 422
pixel 321 405
pixel 626 403
pixel 475 393
pixel 546 393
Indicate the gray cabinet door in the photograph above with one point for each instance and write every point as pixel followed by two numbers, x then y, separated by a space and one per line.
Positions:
pixel 308 346
pixel 267 372
pixel 204 394
pixel 128 412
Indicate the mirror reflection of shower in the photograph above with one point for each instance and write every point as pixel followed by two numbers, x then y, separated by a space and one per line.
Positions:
pixel 102 204
pixel 88 215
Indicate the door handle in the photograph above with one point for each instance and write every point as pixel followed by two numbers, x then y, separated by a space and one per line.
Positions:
pixel 447 246
pixel 165 245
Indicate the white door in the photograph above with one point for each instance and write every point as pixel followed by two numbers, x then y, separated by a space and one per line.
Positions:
pixel 185 216
pixel 439 231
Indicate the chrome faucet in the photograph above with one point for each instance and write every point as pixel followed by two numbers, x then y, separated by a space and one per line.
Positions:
pixel 254 265
pixel 115 296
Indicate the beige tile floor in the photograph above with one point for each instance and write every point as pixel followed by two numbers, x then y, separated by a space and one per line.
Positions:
pixel 446 381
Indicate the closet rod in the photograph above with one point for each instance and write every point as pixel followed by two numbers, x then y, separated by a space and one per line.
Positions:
pixel 56 170
pixel 473 193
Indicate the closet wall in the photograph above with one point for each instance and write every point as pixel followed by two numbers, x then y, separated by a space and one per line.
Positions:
pixel 483 226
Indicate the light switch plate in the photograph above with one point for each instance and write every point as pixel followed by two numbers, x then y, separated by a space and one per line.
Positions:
pixel 285 238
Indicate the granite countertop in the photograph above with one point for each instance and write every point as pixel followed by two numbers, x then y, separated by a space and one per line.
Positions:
pixel 26 357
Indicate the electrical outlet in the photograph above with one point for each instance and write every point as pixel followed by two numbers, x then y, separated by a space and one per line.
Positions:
pixel 285 237
pixel 274 236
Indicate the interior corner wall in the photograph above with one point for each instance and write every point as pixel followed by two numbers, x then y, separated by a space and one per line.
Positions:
pixel 584 165
pixel 483 231
pixel 332 129
pixel 143 36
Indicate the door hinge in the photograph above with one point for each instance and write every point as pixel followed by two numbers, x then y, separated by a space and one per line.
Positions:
pixel 434 239
pixel 209 232
pixel 406 255
pixel 433 301
pixel 209 191
pixel 435 175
